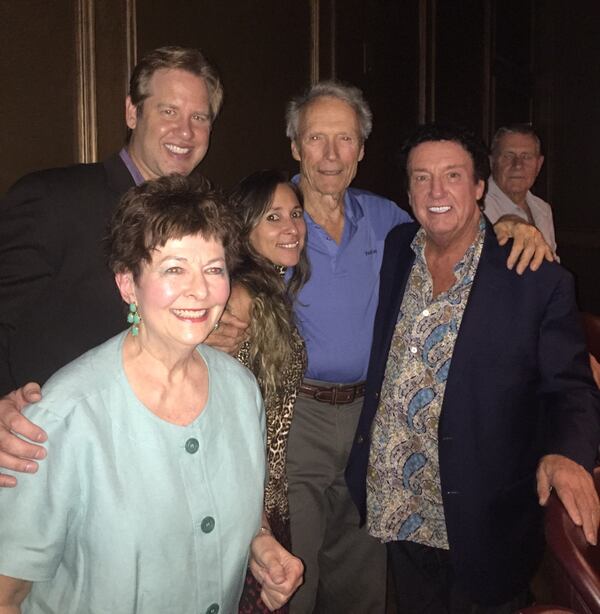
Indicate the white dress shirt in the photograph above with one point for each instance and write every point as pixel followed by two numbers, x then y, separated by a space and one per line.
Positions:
pixel 497 204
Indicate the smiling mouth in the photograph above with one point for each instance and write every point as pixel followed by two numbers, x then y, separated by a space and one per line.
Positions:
pixel 178 150
pixel 443 209
pixel 293 245
pixel 190 314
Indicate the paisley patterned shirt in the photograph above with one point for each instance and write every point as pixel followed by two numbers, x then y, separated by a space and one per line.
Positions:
pixel 404 498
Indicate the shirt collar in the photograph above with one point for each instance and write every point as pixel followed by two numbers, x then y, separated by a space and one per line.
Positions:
pixel 131 167
pixel 418 247
pixel 494 188
pixel 353 210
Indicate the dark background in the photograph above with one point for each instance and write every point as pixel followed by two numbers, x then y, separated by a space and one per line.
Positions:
pixel 65 66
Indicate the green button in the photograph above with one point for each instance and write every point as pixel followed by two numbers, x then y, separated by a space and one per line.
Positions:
pixel 213 609
pixel 192 445
pixel 207 525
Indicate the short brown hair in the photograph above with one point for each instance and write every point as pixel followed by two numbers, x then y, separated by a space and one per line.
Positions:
pixel 181 58
pixel 170 207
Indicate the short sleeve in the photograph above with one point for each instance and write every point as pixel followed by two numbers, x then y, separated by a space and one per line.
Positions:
pixel 35 516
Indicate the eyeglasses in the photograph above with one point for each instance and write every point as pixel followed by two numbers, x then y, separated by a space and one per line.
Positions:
pixel 510 157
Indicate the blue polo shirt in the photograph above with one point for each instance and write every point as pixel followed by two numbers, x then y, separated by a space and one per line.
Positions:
pixel 335 310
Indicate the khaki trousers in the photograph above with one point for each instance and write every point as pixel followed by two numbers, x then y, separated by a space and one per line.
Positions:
pixel 345 568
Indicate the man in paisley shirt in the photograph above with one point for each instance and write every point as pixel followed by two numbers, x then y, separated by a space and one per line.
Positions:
pixel 478 393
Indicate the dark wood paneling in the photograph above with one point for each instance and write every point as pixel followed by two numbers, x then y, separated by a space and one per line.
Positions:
pixel 484 62
pixel 262 52
pixel 512 79
pixel 460 63
pixel 567 91
pixel 38 76
pixel 378 50
pixel 111 75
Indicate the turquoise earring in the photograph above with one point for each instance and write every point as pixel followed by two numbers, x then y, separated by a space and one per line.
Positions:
pixel 133 317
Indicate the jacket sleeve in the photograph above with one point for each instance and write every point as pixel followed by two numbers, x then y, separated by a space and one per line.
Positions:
pixel 571 399
pixel 29 251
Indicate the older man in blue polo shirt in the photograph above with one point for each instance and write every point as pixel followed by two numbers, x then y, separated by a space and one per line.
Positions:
pixel 345 567
pixel 347 227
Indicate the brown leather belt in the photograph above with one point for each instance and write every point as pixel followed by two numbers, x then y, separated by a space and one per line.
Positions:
pixel 334 395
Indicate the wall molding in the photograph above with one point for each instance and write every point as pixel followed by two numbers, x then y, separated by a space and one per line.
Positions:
pixel 315 26
pixel 131 37
pixel 85 42
pixel 427 61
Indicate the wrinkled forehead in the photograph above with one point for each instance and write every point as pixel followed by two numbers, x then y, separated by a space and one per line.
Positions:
pixel 517 141
pixel 328 113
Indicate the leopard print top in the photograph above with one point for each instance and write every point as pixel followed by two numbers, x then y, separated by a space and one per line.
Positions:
pixel 279 413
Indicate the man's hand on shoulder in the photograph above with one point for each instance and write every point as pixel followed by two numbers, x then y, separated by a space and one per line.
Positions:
pixel 17 454
pixel 574 487
pixel 229 335
pixel 529 247
pixel 277 571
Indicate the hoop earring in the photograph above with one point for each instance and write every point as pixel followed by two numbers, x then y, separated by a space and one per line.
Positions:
pixel 133 317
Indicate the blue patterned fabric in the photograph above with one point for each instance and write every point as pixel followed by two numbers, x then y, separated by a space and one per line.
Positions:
pixel 404 499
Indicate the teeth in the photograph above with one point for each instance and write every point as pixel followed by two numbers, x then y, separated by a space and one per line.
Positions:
pixel 439 209
pixel 189 313
pixel 177 150
pixel 289 245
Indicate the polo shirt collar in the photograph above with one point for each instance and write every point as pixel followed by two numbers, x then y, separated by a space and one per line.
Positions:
pixel 353 210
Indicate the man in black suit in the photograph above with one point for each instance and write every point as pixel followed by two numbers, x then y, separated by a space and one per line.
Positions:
pixel 57 296
pixel 478 392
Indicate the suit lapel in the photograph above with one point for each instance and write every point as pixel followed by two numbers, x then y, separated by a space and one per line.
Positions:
pixel 119 179
pixel 487 290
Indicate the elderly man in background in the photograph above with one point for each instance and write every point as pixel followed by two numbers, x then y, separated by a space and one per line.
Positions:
pixel 517 159
pixel 478 391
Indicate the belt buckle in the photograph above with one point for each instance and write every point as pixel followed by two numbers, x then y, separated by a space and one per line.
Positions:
pixel 349 395
pixel 321 396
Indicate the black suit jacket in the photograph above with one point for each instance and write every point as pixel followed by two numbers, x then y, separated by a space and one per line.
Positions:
pixel 519 386
pixel 57 296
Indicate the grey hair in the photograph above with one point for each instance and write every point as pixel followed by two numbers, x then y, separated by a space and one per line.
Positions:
pixel 525 129
pixel 333 89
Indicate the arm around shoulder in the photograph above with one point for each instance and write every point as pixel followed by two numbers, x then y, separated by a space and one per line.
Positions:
pixel 231 331
pixel 240 302
pixel 16 454
pixel 529 247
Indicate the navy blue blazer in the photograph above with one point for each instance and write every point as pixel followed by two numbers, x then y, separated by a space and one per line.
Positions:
pixel 58 297
pixel 519 386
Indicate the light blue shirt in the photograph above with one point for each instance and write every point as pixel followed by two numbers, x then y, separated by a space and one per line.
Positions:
pixel 335 310
pixel 130 513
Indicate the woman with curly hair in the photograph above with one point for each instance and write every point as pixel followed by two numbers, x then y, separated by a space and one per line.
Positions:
pixel 269 210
